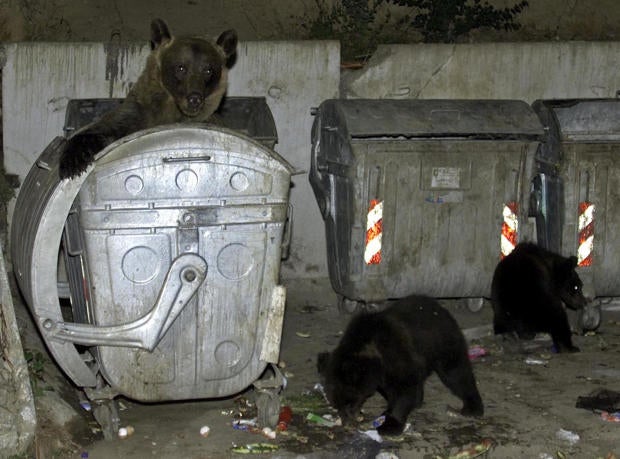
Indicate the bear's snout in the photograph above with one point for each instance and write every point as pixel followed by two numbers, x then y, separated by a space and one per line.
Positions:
pixel 194 100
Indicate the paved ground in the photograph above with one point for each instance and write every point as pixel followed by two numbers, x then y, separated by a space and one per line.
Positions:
pixel 529 394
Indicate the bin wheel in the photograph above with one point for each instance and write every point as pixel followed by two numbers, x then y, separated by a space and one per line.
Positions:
pixel 590 317
pixel 106 415
pixel 268 407
pixel 348 306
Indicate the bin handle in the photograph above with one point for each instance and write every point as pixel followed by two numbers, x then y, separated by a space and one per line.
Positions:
pixel 203 158
pixel 186 274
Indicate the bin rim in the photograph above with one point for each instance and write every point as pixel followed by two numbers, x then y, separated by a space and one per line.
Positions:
pixel 485 119
pixel 146 134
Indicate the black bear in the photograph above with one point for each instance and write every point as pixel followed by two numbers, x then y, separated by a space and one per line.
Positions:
pixel 393 351
pixel 184 80
pixel 528 291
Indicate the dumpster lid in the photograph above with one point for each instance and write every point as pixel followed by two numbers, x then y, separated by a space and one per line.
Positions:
pixel 594 119
pixel 502 119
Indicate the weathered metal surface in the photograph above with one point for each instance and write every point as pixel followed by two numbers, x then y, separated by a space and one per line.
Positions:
pixel 442 195
pixel 583 140
pixel 155 197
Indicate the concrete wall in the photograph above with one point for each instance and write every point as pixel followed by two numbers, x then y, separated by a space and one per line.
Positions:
pixel 38 79
pixel 526 71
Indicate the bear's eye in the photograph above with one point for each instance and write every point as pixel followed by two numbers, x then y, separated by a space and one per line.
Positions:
pixel 207 71
pixel 180 69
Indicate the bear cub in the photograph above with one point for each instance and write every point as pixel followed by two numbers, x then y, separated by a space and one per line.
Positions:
pixel 393 351
pixel 529 290
pixel 184 80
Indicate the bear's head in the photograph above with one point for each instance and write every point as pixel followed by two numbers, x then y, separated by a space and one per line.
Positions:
pixel 193 70
pixel 349 380
pixel 569 284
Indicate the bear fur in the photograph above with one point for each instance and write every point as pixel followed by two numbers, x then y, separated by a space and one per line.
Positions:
pixel 184 80
pixel 393 351
pixel 529 290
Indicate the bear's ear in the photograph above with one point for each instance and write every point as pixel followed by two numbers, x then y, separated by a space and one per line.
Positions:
pixel 572 261
pixel 159 33
pixel 564 268
pixel 322 362
pixel 228 42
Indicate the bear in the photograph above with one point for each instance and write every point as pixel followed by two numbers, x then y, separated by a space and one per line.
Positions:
pixel 393 351
pixel 529 290
pixel 184 80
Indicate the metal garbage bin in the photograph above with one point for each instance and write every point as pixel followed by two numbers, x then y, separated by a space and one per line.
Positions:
pixel 177 236
pixel 421 195
pixel 575 190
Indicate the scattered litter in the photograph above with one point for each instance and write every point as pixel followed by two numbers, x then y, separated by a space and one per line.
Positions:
pixel 378 421
pixel 248 425
pixel 320 420
pixel 301 438
pixel 303 334
pixel 284 419
pixel 373 434
pixel 269 433
pixel 85 404
pixel 204 431
pixel 610 417
pixel 533 361
pixel 475 352
pixel 600 399
pixel 545 456
pixel 125 432
pixel 337 421
pixel 309 400
pixel 474 451
pixel 318 387
pixel 281 364
pixel 255 448
pixel 567 435
pixel 84 455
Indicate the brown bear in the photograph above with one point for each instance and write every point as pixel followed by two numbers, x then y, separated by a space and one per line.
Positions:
pixel 529 290
pixel 184 80
pixel 393 351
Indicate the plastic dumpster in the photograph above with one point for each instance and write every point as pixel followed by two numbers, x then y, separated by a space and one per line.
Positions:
pixel 176 236
pixel 416 194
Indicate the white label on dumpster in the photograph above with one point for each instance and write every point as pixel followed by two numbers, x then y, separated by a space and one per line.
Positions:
pixel 446 177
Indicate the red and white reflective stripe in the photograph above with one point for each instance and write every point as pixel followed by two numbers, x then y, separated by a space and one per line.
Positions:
pixel 374 227
pixel 510 228
pixel 586 233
